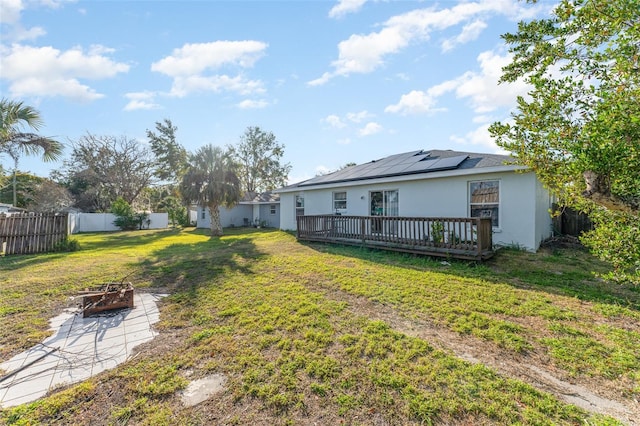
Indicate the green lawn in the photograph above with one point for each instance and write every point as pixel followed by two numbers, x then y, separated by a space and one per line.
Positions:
pixel 279 319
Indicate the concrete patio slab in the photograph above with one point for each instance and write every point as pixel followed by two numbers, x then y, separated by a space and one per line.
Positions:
pixel 78 349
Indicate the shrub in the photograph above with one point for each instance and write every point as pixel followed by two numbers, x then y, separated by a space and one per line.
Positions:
pixel 68 244
pixel 126 218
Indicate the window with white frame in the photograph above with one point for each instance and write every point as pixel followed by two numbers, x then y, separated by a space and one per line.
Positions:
pixel 272 209
pixel 204 211
pixel 339 201
pixel 484 200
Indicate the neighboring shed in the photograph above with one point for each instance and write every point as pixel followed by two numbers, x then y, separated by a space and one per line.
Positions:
pixel 436 183
pixel 10 209
pixel 253 210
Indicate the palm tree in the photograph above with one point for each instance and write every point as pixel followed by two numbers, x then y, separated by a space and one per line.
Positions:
pixel 14 116
pixel 211 181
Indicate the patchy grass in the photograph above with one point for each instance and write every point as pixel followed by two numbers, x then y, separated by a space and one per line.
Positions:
pixel 254 306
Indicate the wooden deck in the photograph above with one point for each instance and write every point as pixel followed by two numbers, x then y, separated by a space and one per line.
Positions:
pixel 461 238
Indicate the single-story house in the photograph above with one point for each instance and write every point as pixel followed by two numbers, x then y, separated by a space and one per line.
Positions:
pixel 252 210
pixel 435 183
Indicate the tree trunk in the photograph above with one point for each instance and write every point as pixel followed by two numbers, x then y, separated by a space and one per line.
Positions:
pixel 216 227
pixel 599 191
pixel 15 183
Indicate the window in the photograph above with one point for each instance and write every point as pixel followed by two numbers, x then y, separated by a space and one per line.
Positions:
pixel 272 209
pixel 484 200
pixel 339 201
pixel 299 205
pixel 204 212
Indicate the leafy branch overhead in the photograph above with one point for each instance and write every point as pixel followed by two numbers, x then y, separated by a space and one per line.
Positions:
pixel 579 127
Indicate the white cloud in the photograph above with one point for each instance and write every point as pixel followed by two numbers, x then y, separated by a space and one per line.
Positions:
pixel 46 71
pixel 68 88
pixel 252 104
pixel 469 33
pixel 320 80
pixel 414 102
pixel 138 105
pixel 345 7
pixel 334 121
pixel 10 11
pixel 182 86
pixel 369 129
pixel 481 119
pixel 10 14
pixel 193 59
pixel 479 137
pixel 358 117
pixel 193 67
pixel 141 100
pixel 481 88
pixel 365 53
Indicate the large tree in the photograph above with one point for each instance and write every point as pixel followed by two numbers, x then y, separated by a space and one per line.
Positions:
pixel 259 161
pixel 211 181
pixel 103 168
pixel 579 128
pixel 15 139
pixel 171 157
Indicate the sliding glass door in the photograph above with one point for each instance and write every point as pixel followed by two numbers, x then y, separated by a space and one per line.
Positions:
pixel 383 203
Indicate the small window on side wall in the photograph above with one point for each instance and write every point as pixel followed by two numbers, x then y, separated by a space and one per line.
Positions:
pixel 272 209
pixel 339 201
pixel 299 205
pixel 484 200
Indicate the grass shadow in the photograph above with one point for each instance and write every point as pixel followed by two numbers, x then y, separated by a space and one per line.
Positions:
pixel 119 238
pixel 17 261
pixel 185 267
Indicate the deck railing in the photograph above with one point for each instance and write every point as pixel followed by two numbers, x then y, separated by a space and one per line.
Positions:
pixel 465 238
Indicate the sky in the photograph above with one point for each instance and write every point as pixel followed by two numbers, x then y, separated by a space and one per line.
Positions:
pixel 335 81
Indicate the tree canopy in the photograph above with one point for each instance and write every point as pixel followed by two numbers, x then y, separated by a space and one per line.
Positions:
pixel 171 157
pixel 211 181
pixel 579 128
pixel 103 168
pixel 259 158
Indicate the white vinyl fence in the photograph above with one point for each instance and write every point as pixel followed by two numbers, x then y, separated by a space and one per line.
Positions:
pixel 102 222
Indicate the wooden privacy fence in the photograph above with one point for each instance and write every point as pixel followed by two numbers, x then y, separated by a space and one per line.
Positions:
pixel 568 221
pixel 464 238
pixel 32 233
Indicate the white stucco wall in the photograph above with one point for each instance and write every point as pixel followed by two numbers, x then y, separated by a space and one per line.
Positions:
pixel 101 222
pixel 236 215
pixel 524 203
pixel 228 217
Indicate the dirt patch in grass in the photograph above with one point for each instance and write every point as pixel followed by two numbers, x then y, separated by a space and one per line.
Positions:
pixel 533 367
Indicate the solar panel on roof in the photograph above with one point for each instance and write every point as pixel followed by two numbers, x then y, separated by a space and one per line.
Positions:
pixel 395 165
pixel 450 162
pixel 419 166
pixel 398 169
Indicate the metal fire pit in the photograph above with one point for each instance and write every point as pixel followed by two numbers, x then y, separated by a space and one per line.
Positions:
pixel 112 296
